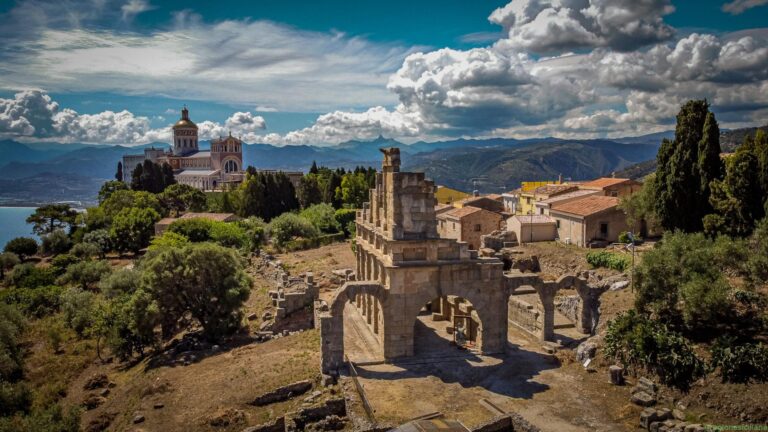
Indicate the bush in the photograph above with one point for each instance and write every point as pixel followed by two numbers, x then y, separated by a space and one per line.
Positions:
pixel 85 250
pixel 255 230
pixel 7 261
pixel 168 239
pixel 757 263
pixel 128 323
pixel 288 226
pixel 59 263
pixel 609 260
pixel 11 357
pixel 100 238
pixel 23 247
pixel 14 398
pixel 50 419
pixel 213 297
pixel 28 275
pixel 228 235
pixel 639 342
pixel 78 307
pixel 682 277
pixel 55 243
pixel 86 273
pixel 346 219
pixel 323 217
pixel 194 229
pixel 122 281
pixel 133 228
pixel 740 363
pixel 36 302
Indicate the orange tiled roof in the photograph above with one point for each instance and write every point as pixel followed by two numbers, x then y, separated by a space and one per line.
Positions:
pixel 462 212
pixel 604 182
pixel 586 206
pixel 554 189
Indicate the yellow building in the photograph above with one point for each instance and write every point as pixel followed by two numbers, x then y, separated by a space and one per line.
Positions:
pixel 528 199
pixel 528 186
pixel 446 195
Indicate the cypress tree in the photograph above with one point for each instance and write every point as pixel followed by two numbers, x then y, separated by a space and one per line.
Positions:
pixel 313 169
pixel 119 173
pixel 710 165
pixel 136 177
pixel 168 178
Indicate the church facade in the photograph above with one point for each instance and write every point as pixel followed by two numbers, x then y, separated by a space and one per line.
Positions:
pixel 212 169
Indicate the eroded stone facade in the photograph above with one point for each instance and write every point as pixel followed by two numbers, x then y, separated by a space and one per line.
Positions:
pixel 403 265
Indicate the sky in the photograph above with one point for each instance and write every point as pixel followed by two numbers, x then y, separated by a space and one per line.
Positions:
pixel 320 73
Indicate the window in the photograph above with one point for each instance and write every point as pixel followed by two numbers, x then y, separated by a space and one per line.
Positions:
pixel 557 221
pixel 230 166
pixel 604 229
pixel 478 227
pixel 541 210
pixel 614 193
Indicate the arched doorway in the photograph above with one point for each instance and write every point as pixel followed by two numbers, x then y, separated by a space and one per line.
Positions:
pixel 445 326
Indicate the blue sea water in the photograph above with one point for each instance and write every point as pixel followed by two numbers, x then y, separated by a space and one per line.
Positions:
pixel 13 223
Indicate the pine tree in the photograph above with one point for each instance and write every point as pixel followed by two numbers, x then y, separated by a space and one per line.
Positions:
pixel 253 197
pixel 119 173
pixel 313 169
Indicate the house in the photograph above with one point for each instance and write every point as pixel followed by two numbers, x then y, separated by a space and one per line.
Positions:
pixel 511 200
pixel 467 224
pixel 532 228
pixel 584 220
pixel 543 206
pixel 528 198
pixel 446 195
pixel 488 202
pixel 162 225
pixel 613 187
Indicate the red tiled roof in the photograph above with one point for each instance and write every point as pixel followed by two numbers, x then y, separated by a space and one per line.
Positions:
pixel 553 189
pixel 586 206
pixel 604 182
pixel 534 219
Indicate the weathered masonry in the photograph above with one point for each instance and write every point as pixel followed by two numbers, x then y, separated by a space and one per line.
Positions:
pixel 402 265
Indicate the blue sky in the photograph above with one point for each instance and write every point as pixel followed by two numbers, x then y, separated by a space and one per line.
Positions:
pixel 296 72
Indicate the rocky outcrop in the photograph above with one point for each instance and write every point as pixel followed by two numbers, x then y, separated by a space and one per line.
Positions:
pixel 283 393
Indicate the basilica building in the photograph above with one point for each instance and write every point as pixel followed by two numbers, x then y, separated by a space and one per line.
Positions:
pixel 204 169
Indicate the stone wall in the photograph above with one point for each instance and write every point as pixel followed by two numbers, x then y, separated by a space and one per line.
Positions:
pixel 525 315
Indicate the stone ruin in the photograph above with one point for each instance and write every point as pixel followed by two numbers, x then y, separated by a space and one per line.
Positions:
pixel 403 265
pixel 290 294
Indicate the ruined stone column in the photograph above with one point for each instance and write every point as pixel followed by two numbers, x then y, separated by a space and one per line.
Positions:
pixel 547 297
pixel 332 342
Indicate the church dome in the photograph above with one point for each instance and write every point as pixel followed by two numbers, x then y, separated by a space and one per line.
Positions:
pixel 184 121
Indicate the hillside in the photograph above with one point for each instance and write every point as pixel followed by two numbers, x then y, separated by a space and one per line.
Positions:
pixel 502 168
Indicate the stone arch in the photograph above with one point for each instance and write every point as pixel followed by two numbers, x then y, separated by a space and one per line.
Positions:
pixel 331 322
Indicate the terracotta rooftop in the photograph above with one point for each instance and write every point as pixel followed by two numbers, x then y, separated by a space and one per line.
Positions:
pixel 461 212
pixel 211 216
pixel 554 189
pixel 567 195
pixel 604 182
pixel 586 206
pixel 534 219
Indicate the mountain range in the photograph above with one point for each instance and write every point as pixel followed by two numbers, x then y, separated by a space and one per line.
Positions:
pixel 33 173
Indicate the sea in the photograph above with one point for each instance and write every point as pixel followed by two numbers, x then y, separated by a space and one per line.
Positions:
pixel 13 223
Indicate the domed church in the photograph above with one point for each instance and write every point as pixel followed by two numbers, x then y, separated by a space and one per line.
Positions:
pixel 206 170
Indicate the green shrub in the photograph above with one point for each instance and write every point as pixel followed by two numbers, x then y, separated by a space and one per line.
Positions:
pixel 59 263
pixel 86 273
pixel 28 275
pixel 78 307
pixel 57 242
pixel 323 217
pixel 23 247
pixel 609 260
pixel 11 357
pixel 119 282
pixel 168 239
pixel 346 219
pixel 288 226
pixel 228 235
pixel 100 238
pixel 50 419
pixel 86 250
pixel 639 342
pixel 194 229
pixel 14 398
pixel 7 261
pixel 740 363
pixel 133 228
pixel 36 302
pixel 255 230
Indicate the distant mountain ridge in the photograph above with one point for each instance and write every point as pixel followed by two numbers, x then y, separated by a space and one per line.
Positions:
pixel 490 165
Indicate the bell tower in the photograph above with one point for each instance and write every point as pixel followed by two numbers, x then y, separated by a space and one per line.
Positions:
pixel 184 135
